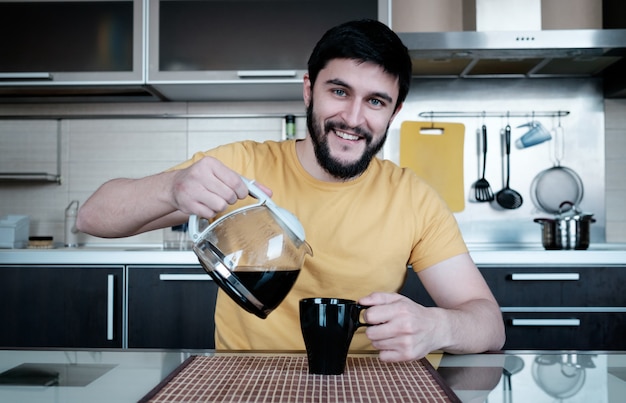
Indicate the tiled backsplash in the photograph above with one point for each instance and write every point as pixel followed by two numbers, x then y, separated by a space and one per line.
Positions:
pixel 95 150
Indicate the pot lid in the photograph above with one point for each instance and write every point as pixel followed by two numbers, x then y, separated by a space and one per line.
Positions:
pixel 569 211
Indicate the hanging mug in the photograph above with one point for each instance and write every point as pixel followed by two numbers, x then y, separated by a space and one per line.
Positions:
pixel 536 134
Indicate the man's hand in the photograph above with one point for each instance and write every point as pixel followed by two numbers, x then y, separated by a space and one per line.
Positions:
pixel 467 318
pixel 206 188
pixel 403 329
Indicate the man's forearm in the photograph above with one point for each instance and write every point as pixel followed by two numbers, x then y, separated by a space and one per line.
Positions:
pixel 124 207
pixel 474 327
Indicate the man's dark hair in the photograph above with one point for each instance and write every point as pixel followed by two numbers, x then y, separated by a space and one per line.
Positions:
pixel 366 41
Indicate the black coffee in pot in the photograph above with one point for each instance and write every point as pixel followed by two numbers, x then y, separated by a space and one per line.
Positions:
pixel 269 286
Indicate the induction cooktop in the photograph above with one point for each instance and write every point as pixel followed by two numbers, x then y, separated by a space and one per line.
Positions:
pixel 50 374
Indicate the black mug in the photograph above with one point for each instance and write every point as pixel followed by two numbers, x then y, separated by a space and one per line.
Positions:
pixel 328 325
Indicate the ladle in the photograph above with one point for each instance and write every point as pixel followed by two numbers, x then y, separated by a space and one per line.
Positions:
pixel 508 198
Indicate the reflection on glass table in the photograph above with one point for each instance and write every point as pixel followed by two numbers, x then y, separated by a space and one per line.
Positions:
pixel 537 377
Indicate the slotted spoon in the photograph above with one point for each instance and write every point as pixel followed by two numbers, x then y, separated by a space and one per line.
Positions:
pixel 507 197
pixel 482 189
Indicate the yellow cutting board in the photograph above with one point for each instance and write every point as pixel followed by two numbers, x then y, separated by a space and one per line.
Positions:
pixel 434 151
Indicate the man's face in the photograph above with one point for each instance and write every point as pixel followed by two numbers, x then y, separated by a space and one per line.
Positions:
pixel 348 113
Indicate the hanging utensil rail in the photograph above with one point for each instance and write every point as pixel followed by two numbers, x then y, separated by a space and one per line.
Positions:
pixel 492 114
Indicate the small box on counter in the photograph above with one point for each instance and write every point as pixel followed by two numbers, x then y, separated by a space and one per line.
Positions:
pixel 14 231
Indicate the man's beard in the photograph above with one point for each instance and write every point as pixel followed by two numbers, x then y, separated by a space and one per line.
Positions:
pixel 338 169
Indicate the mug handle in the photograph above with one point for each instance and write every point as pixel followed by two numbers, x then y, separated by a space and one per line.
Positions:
pixel 360 309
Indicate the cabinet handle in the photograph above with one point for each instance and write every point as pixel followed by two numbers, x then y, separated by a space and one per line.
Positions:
pixel 110 290
pixel 184 277
pixel 546 322
pixel 25 76
pixel 545 276
pixel 266 73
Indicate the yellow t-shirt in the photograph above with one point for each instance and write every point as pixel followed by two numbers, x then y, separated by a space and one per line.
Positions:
pixel 363 234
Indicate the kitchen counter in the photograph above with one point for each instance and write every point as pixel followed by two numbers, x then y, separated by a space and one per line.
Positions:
pixel 531 254
pixel 126 376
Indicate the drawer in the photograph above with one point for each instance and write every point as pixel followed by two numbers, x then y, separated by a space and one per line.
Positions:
pixel 579 286
pixel 565 331
pixel 170 307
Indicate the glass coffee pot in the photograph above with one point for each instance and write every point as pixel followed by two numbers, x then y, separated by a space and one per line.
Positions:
pixel 253 253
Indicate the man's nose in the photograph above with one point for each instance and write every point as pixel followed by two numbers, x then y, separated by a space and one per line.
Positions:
pixel 353 114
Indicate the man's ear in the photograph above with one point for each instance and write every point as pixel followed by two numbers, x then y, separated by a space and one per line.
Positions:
pixel 306 90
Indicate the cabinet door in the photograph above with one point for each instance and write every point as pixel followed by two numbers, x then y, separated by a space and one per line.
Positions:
pixel 557 286
pixel 54 42
pixel 561 307
pixel 233 49
pixel 170 307
pixel 414 289
pixel 72 307
pixel 565 330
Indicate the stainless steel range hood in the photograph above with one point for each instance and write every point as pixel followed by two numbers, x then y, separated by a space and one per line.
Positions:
pixel 511 54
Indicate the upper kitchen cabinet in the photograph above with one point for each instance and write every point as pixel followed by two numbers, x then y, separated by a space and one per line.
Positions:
pixel 65 49
pixel 241 49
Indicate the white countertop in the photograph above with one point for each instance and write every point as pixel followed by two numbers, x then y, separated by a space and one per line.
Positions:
pixel 597 254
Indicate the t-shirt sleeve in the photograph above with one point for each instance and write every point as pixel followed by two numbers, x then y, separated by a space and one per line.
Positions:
pixel 438 236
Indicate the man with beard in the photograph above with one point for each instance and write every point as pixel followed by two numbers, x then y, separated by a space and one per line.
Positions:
pixel 365 218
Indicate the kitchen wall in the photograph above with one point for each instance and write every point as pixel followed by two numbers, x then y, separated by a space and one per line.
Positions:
pixel 95 150
pixel 584 151
pixel 615 143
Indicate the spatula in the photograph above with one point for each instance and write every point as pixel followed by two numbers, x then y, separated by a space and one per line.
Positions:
pixel 482 189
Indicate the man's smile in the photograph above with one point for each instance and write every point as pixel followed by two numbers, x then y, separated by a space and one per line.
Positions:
pixel 346 136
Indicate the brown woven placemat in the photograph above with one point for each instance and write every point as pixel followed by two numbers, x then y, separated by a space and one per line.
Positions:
pixel 269 378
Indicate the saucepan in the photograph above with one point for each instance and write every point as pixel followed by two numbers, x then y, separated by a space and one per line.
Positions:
pixel 568 230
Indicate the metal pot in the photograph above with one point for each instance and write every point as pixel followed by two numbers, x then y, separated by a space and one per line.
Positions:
pixel 568 230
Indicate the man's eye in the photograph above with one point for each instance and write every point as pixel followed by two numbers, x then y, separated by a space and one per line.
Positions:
pixel 339 92
pixel 376 102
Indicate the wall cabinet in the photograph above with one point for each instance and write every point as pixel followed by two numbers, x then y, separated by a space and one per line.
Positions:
pixel 233 50
pixel 66 49
pixel 554 307
pixel 170 307
pixel 71 41
pixel 61 306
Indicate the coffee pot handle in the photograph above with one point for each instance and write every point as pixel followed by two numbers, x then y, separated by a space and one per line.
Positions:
pixel 192 229
pixel 253 190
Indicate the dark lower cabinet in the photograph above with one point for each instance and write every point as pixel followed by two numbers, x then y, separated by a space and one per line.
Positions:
pixel 556 307
pixel 170 307
pixel 551 307
pixel 61 306
pixel 565 331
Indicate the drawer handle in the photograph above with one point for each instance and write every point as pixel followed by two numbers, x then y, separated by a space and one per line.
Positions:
pixel 267 73
pixel 110 290
pixel 546 322
pixel 545 276
pixel 25 76
pixel 184 277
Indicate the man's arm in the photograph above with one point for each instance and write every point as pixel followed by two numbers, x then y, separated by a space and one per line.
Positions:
pixel 124 207
pixel 467 318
